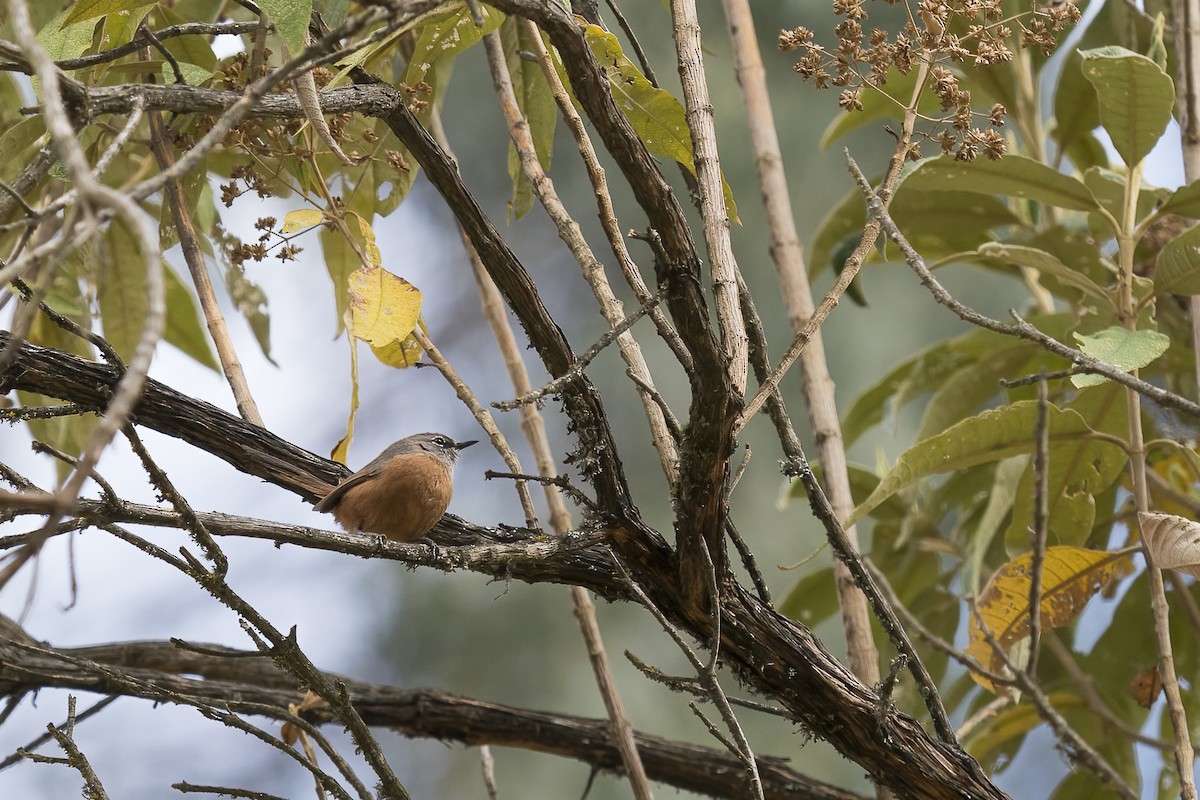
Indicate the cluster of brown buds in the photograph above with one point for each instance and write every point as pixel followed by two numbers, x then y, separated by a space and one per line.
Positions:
pixel 939 33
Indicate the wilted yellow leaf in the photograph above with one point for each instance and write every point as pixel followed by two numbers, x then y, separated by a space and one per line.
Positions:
pixel 1071 576
pixel 384 309
pixel 300 219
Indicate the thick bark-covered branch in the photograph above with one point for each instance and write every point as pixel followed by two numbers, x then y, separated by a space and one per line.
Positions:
pixel 241 681
pixel 773 655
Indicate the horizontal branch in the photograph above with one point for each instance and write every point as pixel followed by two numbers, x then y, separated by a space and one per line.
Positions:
pixel 248 682
pixel 773 655
pixel 578 558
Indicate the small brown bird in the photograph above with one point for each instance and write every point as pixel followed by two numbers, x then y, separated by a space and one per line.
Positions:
pixel 402 493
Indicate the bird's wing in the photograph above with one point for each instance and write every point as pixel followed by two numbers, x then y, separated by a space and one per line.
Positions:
pixel 330 501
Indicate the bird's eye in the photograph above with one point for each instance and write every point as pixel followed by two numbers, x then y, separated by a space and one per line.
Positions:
pixel 441 441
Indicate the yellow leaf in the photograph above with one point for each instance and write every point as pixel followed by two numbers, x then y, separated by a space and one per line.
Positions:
pixel 384 309
pixel 300 219
pixel 1071 576
pixel 370 249
pixel 342 450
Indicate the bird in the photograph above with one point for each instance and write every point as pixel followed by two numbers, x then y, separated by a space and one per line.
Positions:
pixel 402 493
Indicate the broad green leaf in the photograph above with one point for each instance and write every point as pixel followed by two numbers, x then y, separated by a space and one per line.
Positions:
pixel 1040 261
pixel 290 18
pixel 1071 576
pixel 445 38
pixel 68 434
pixel 990 436
pixel 1076 112
pixel 187 50
pixel 1079 470
pixel 67 40
pixel 883 102
pixel 1012 723
pixel 121 290
pixel 812 599
pixel 936 223
pixel 970 387
pixel 19 137
pixel 1136 99
pixel 1000 499
pixel 933 368
pixel 536 102
pixel 1178 270
pixel 184 329
pixel 1125 349
pixel 1013 175
pixel 301 218
pixel 656 116
pixel 251 302
pixel 1185 201
pixel 90 9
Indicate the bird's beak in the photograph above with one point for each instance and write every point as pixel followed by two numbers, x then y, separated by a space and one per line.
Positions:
pixel 464 445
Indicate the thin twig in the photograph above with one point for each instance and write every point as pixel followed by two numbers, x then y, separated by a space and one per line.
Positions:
pixel 16 757
pixel 93 787
pixel 483 417
pixel 189 243
pixel 592 270
pixel 596 176
pixel 562 381
pixel 487 765
pixel 1082 753
pixel 706 673
pixel 1041 521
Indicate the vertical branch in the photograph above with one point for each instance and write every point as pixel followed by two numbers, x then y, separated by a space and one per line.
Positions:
pixel 818 385
pixel 571 235
pixel 1185 15
pixel 688 49
pixel 1041 521
pixel 189 242
pixel 535 432
pixel 1184 751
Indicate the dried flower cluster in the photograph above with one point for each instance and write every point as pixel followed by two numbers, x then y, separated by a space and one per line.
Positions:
pixel 943 32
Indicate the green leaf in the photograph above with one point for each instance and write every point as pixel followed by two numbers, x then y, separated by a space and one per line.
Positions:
pixel 1042 262
pixel 1013 175
pixel 936 223
pixel 444 39
pixel 1178 270
pixel 67 40
pixel 656 116
pixel 1185 201
pixel 251 302
pixel 1080 470
pixel 19 137
pixel 990 436
pixel 536 101
pixel 1136 99
pixel 883 102
pixel 184 330
pixel 999 502
pixel 1076 112
pixel 90 9
pixel 121 290
pixel 290 18
pixel 1125 349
